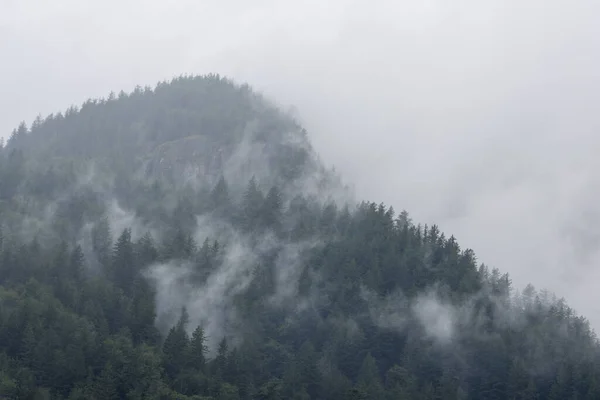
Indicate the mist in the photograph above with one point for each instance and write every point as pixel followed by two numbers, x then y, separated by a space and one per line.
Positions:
pixel 477 116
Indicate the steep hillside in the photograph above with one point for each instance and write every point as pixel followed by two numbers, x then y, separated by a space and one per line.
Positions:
pixel 185 242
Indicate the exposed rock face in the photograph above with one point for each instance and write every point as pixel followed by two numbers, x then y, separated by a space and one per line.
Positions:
pixel 271 156
pixel 186 160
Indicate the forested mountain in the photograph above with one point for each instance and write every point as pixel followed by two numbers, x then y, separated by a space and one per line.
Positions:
pixel 186 242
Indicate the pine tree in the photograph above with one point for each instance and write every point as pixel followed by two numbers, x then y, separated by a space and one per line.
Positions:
pixel 175 347
pixel 306 361
pixel 272 209
pixel 28 345
pixel 102 242
pixel 77 264
pixel 143 311
pixel 220 202
pixel 220 360
pixel 198 350
pixel 123 267
pixel 369 380
pixel 146 252
pixel 252 206
pixel 106 384
pixel 180 247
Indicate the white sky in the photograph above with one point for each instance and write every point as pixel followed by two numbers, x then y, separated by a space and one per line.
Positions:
pixel 480 116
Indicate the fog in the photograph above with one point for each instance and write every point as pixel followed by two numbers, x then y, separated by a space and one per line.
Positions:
pixel 479 116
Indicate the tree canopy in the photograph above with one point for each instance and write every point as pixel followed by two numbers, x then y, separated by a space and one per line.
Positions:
pixel 185 242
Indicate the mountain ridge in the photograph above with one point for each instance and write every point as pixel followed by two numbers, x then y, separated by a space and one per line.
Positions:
pixel 136 263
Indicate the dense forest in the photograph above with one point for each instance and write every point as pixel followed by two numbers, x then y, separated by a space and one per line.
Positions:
pixel 186 242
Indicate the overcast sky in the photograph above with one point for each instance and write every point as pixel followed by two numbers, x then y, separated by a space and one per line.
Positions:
pixel 479 115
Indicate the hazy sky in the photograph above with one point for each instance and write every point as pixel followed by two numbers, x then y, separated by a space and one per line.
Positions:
pixel 479 115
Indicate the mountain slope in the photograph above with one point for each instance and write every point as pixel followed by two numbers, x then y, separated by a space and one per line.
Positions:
pixel 186 242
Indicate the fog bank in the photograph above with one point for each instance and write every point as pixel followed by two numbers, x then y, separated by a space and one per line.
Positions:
pixel 478 116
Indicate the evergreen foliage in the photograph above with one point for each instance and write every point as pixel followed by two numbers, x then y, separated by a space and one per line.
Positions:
pixel 336 301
